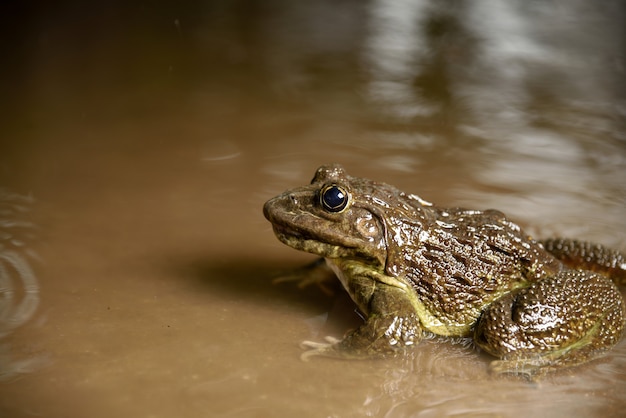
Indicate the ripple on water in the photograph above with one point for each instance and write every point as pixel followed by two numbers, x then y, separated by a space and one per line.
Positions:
pixel 19 288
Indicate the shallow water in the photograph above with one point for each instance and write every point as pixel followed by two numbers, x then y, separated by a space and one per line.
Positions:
pixel 138 147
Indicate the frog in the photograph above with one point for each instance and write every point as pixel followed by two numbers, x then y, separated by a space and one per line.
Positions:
pixel 416 270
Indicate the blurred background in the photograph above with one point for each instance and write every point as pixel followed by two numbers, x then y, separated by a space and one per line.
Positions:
pixel 139 142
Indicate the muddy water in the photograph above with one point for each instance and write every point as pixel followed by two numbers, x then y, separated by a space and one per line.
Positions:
pixel 139 144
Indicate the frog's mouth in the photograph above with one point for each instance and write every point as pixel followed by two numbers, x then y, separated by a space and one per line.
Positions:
pixel 304 241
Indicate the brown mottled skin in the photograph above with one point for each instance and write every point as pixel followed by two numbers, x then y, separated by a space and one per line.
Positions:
pixel 414 268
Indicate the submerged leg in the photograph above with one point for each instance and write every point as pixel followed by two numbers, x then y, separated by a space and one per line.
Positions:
pixel 562 321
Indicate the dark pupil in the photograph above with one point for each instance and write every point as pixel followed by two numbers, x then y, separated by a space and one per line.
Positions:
pixel 334 199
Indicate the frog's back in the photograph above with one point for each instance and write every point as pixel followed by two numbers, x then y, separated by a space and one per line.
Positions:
pixel 466 259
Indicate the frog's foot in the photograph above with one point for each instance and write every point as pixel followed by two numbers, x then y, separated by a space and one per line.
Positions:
pixel 315 348
pixel 336 348
pixel 315 273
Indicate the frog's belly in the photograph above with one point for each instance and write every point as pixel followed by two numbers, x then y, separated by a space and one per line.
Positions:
pixel 340 275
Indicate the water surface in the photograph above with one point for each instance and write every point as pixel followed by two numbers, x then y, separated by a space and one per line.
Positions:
pixel 139 144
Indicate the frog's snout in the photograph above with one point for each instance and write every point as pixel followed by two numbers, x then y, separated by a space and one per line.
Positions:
pixel 267 207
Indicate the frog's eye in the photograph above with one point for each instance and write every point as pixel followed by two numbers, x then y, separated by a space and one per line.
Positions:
pixel 333 198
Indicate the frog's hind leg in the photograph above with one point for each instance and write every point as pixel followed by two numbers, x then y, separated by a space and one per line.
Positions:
pixel 554 323
pixel 588 256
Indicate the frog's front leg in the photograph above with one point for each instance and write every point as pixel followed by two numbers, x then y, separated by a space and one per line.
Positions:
pixel 315 273
pixel 562 321
pixel 391 323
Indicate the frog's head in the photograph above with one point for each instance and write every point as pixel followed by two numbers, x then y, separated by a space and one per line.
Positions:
pixel 340 216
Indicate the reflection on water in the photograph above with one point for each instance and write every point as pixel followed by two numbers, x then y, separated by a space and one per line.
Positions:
pixel 152 135
pixel 539 93
pixel 443 380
